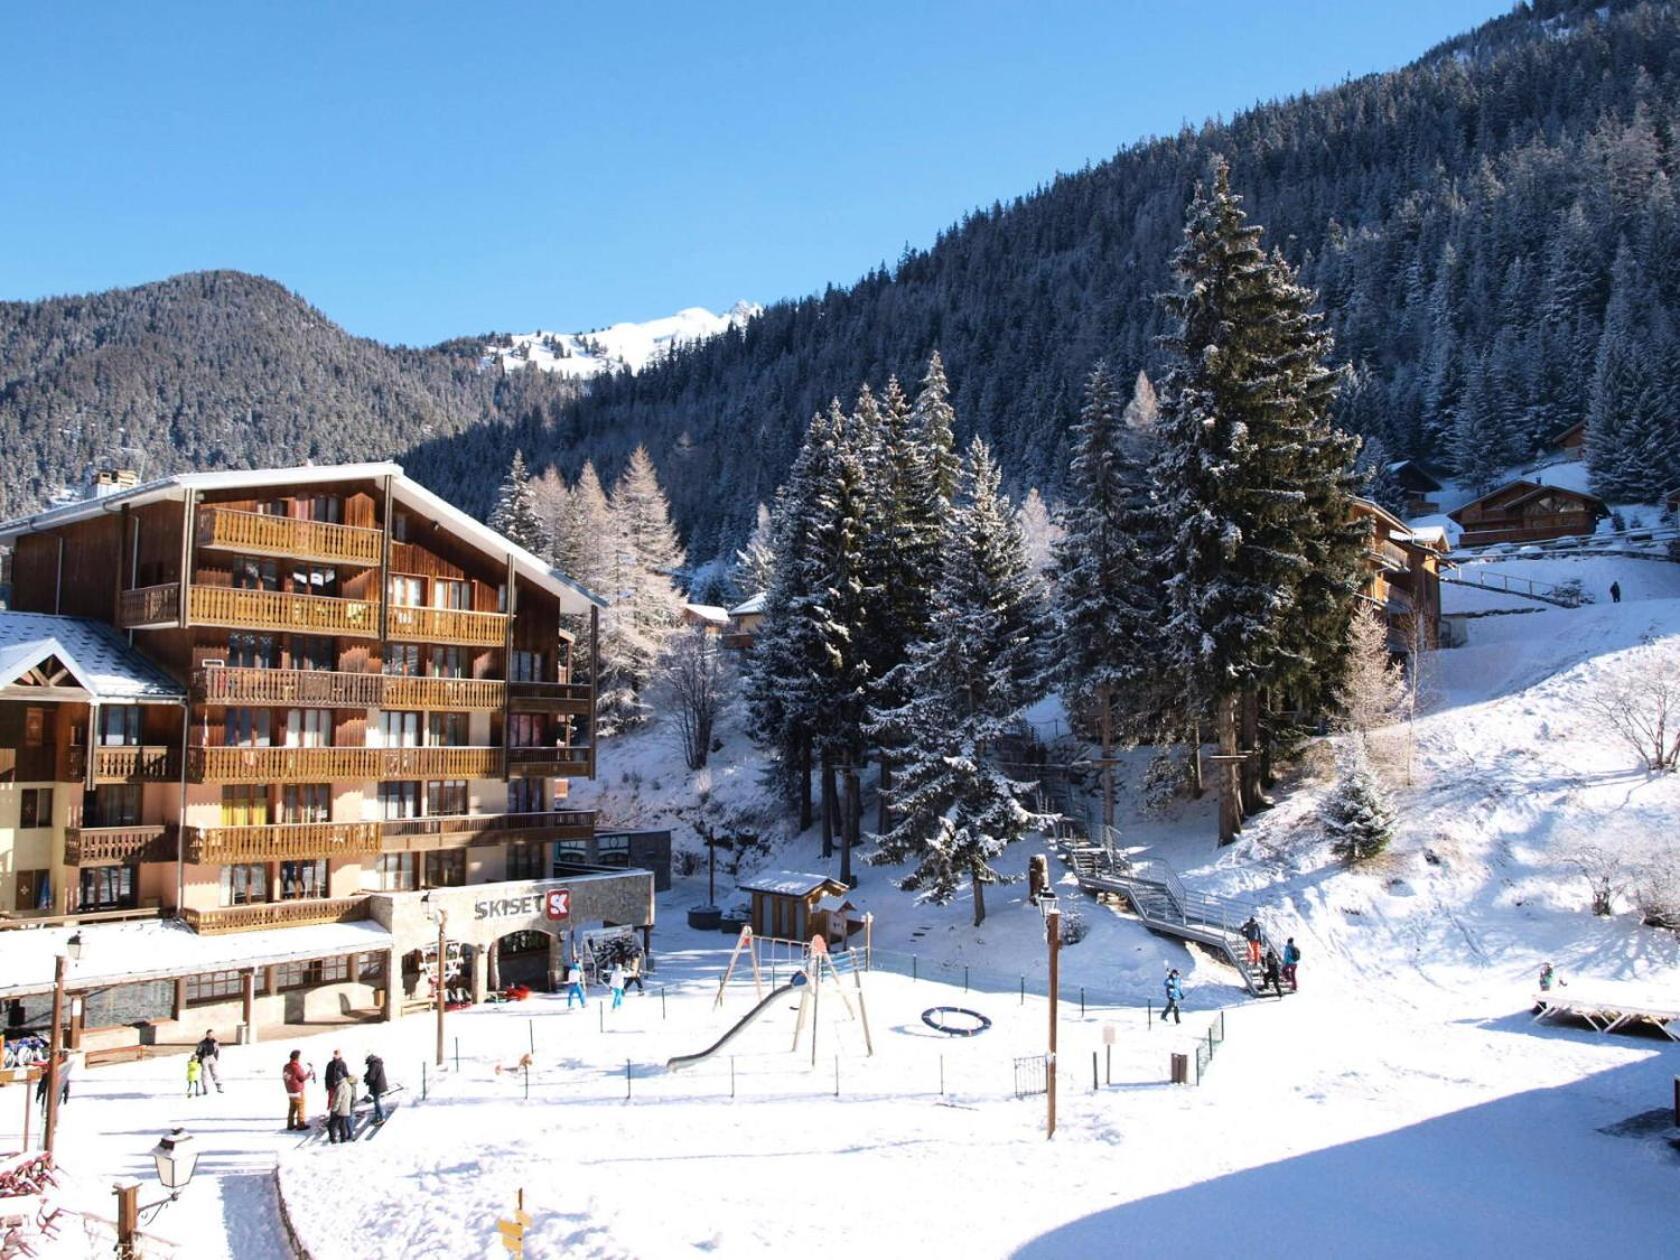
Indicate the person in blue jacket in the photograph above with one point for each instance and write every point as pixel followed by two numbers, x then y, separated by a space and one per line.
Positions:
pixel 1291 960
pixel 1175 994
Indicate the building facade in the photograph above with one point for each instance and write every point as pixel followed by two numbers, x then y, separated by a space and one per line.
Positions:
pixel 1402 577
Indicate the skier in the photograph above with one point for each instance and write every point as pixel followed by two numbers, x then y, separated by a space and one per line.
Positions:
pixel 1175 994
pixel 195 1078
pixel 615 980
pixel 295 1075
pixel 341 1120
pixel 1615 592
pixel 575 986
pixel 1251 934
pixel 1270 976
pixel 377 1085
pixel 208 1053
pixel 1291 960
pixel 337 1070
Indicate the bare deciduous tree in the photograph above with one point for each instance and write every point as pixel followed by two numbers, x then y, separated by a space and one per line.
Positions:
pixel 1607 875
pixel 1641 704
pixel 694 673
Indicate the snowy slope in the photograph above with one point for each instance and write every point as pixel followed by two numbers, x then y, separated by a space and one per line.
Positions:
pixel 583 355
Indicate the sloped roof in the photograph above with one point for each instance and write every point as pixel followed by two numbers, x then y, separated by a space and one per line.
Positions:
pixel 574 597
pixel 708 612
pixel 750 606
pixel 787 883
pixel 99 658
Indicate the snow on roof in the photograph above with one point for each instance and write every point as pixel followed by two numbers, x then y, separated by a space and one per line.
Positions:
pixel 156 949
pixel 574 598
pixel 1431 535
pixel 708 612
pixel 787 883
pixel 750 606
pixel 100 659
pixel 833 903
pixel 1438 522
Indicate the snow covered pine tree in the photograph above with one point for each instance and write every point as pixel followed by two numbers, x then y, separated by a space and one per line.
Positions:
pixel 1357 815
pixel 515 514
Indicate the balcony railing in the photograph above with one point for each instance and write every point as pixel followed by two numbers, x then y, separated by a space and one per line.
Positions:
pixel 275 914
pixel 448 625
pixel 1390 555
pixel 125 763
pixel 149 606
pixel 549 697
pixel 274 610
pixel 400 835
pixel 330 689
pixel 256 534
pixel 110 846
pixel 552 762
pixel 313 765
pixel 279 842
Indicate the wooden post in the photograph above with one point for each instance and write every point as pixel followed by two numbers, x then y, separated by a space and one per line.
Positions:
pixel 384 592
pixel 442 956
pixel 178 1006
pixel 55 1052
pixel 854 821
pixel 248 1003
pixel 507 672
pixel 128 1217
pixel 188 517
pixel 1053 935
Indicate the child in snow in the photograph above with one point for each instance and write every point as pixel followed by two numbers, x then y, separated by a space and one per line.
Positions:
pixel 575 989
pixel 634 978
pixel 1548 977
pixel 616 980
pixel 1291 960
pixel 195 1082
pixel 1175 994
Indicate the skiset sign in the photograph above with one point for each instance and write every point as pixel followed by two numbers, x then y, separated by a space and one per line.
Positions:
pixel 553 904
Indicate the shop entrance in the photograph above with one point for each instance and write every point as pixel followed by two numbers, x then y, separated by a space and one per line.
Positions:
pixel 521 958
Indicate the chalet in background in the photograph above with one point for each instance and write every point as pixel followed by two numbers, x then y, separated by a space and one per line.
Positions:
pixel 1572 442
pixel 1526 511
pixel 1403 576
pixel 299 712
pixel 1419 484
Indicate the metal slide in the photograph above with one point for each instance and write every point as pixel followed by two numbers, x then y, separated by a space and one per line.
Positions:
pixel 689 1060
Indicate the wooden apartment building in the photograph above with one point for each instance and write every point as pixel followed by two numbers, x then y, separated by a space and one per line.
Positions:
pixel 1402 569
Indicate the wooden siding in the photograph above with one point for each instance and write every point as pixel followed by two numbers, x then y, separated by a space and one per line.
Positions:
pixel 258 534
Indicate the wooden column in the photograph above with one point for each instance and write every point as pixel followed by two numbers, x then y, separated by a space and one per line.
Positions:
pixel 178 1006
pixel 507 669
pixel 117 568
pixel 393 986
pixel 594 678
pixel 128 1217
pixel 88 776
pixel 188 518
pixel 248 1003
pixel 385 568
pixel 55 1051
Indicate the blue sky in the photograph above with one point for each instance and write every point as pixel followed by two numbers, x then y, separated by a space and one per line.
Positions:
pixel 421 170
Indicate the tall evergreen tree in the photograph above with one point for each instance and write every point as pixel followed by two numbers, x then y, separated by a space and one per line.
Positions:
pixel 755 562
pixel 645 605
pixel 934 423
pixel 515 515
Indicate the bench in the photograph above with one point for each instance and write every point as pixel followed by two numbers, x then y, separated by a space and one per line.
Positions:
pixel 115 1054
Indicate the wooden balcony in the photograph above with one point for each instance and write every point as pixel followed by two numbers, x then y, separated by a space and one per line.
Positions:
pixel 401 692
pixel 273 610
pixel 148 606
pixel 448 625
pixel 275 914
pixel 401 835
pixel 317 765
pixel 328 689
pixel 255 534
pixel 1389 555
pixel 279 842
pixel 111 846
pixel 125 763
pixel 552 763
pixel 550 697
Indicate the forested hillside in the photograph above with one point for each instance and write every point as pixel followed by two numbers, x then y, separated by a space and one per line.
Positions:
pixel 1493 229
pixel 223 370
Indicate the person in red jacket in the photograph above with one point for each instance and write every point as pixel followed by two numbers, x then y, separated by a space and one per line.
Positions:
pixel 295 1075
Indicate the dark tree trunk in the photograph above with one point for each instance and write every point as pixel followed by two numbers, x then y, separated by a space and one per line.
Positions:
pixel 853 829
pixel 1193 765
pixel 979 896
pixel 1252 799
pixel 1230 787
pixel 830 805
pixel 805 783
pixel 883 810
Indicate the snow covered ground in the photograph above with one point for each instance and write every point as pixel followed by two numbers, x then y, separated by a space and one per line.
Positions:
pixel 1403 1104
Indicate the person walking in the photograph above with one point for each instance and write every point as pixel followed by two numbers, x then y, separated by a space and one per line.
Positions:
pixel 1175 994
pixel 1251 934
pixel 341 1122
pixel 336 1071
pixel 1270 975
pixel 634 979
pixel 195 1076
pixel 377 1085
pixel 209 1052
pixel 575 989
pixel 1291 961
pixel 1615 592
pixel 615 980
pixel 295 1075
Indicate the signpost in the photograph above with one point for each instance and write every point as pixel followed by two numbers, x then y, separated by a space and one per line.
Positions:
pixel 512 1229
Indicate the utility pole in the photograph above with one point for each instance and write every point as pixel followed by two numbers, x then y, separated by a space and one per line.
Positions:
pixel 55 1052
pixel 1053 935
pixel 442 956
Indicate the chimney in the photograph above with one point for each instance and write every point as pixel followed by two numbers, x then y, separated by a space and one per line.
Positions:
pixel 111 480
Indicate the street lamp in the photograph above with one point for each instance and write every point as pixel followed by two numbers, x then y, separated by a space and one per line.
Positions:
pixel 55 1043
pixel 1051 909
pixel 442 917
pixel 73 947
pixel 176 1157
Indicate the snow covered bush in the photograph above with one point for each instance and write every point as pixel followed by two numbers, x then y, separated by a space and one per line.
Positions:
pixel 1073 926
pixel 1571 594
pixel 1657 893
pixel 1607 875
pixel 693 674
pixel 1163 781
pixel 1357 815
pixel 1641 704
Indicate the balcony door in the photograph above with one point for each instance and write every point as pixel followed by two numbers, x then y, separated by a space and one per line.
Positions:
pixel 245 805
pixel 306 803
pixel 399 728
pixel 309 728
pixel 119 726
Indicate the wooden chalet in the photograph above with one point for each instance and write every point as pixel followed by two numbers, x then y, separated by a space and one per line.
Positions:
pixel 1572 442
pixel 1420 486
pixel 1402 575
pixel 709 617
pixel 744 621
pixel 1525 511
pixel 797 905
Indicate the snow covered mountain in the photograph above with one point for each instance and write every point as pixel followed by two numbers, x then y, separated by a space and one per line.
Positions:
pixel 582 355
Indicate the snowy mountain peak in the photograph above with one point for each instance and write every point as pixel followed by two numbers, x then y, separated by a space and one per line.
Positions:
pixel 582 355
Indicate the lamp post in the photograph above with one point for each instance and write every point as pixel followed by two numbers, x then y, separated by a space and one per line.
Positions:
pixel 176 1158
pixel 1053 939
pixel 55 1052
pixel 442 917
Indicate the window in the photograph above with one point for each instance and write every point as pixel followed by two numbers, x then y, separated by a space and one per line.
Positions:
pixel 526 666
pixel 216 986
pixel 314 579
pixel 299 880
pixel 119 725
pixel 446 796
pixel 525 730
pixel 448 662
pixel 568 854
pixel 272 507
pixel 325 507
pixel 399 800
pixel 524 943
pixel 526 860
pixel 107 888
pixel 399 729
pixel 450 593
pixel 34 890
pixel 252 651
pixel 244 885
pixel 446 730
pixel 245 805
pixel 313 651
pixel 399 527
pixel 246 728
pixel 112 805
pixel 35 807
pixel 305 803
pixel 251 574
pixel 446 868
pixel 306 975
pixel 525 796
pixel 402 659
pixel 309 728
pixel 371 968
pixel 408 592
pixel 612 850
pixel 392 872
